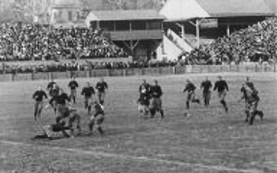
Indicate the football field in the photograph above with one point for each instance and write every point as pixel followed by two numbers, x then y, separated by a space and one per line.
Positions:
pixel 210 141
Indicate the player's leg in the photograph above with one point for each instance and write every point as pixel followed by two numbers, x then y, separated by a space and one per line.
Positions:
pixel 204 95
pixel 152 107
pixel 86 103
pixel 74 119
pixel 99 121
pixel 158 106
pixel 247 111
pixel 188 100
pixel 103 95
pixel 222 100
pixel 73 96
pixel 91 123
pixel 207 98
pixel 36 110
pixel 194 99
pixel 89 105
pixel 252 114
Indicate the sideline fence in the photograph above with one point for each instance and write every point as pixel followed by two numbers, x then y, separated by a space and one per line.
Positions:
pixel 139 71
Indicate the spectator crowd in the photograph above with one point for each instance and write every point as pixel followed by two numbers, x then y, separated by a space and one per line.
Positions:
pixel 257 43
pixel 19 42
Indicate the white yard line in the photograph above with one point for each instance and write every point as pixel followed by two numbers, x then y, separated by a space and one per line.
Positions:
pixel 127 157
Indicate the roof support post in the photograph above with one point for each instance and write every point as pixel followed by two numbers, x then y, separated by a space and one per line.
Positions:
pixel 98 24
pixel 197 25
pixel 228 30
pixel 182 26
pixel 131 46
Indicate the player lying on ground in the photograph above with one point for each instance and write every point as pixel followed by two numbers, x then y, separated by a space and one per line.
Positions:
pixel 54 130
pixel 74 120
pixel 250 95
pixel 97 119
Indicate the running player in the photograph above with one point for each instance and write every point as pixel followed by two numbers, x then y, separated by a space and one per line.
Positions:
pixel 143 105
pixel 144 88
pixel 50 86
pixel 222 88
pixel 88 92
pixel 250 95
pixel 156 101
pixel 101 86
pixel 54 92
pixel 206 88
pixel 97 119
pixel 73 85
pixel 190 89
pixel 38 96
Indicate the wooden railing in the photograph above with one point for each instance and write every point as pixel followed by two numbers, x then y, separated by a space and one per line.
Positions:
pixel 178 70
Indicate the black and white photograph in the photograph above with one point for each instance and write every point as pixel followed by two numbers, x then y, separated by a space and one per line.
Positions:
pixel 138 86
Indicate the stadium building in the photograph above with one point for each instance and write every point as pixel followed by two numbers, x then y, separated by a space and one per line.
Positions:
pixel 139 32
pixel 201 21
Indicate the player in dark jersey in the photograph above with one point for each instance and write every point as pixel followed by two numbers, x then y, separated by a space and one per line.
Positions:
pixel 62 106
pixel 73 85
pixel 98 118
pixel 190 89
pixel 38 96
pixel 144 88
pixel 54 92
pixel 250 95
pixel 143 105
pixel 88 93
pixel 101 87
pixel 206 88
pixel 222 88
pixel 156 101
pixel 50 86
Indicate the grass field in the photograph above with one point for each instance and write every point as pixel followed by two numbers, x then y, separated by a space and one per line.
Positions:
pixel 209 142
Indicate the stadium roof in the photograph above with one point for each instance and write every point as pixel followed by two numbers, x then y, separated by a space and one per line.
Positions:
pixel 124 15
pixel 180 10
pixel 272 4
pixel 67 4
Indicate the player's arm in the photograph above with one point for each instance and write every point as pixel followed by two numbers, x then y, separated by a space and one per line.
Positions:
pixel 97 85
pixel 186 88
pixel 242 97
pixel 92 90
pixel 106 85
pixel 193 87
pixel 160 92
pixel 76 84
pixel 215 86
pixel 45 95
pixel 35 95
pixel 226 86
pixel 83 91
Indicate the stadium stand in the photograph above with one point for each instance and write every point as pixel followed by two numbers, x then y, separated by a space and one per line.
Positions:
pixel 19 42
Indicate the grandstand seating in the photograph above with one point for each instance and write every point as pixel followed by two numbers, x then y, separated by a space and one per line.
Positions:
pixel 19 42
